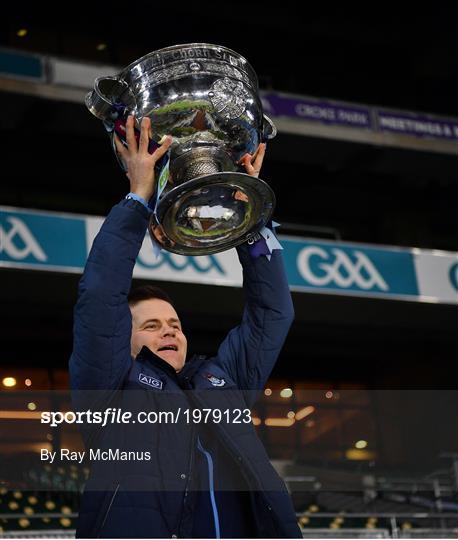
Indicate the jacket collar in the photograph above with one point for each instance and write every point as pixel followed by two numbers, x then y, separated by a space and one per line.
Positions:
pixel 148 355
pixel 191 365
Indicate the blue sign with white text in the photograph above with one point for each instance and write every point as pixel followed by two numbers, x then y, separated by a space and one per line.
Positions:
pixel 42 240
pixel 60 242
pixel 331 266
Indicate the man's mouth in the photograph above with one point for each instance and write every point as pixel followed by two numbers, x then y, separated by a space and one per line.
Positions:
pixel 168 348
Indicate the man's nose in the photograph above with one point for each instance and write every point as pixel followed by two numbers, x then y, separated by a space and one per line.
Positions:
pixel 168 330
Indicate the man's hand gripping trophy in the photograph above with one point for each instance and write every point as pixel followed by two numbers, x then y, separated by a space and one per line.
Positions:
pixel 140 164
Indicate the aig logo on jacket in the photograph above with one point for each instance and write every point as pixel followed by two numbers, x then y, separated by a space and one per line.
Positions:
pixel 215 380
pixel 150 381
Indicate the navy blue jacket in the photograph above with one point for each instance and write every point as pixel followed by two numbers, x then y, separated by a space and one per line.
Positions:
pixel 205 480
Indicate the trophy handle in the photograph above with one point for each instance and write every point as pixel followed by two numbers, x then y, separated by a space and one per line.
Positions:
pixel 108 91
pixel 269 131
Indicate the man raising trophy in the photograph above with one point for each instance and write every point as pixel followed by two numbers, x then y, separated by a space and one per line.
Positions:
pixel 187 127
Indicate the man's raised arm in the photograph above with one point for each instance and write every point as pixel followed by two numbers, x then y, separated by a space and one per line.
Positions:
pixel 250 350
pixel 102 320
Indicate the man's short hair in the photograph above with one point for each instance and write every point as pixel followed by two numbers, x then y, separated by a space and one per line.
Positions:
pixel 147 292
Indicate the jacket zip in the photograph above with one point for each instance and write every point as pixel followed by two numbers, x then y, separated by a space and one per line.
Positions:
pixel 230 447
pixel 211 486
pixel 190 472
pixel 108 510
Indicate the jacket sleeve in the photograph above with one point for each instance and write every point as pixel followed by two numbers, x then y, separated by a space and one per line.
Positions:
pixel 250 350
pixel 102 319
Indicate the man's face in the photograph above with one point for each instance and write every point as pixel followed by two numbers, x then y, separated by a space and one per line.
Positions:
pixel 155 324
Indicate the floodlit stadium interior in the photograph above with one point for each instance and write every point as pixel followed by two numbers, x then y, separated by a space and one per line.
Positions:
pixel 359 415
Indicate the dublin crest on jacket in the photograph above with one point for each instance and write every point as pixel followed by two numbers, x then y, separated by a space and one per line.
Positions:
pixel 215 380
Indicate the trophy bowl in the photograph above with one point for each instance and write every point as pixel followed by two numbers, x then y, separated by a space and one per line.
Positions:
pixel 207 98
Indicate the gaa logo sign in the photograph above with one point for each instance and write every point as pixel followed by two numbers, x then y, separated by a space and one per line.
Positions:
pixel 335 267
pixel 180 263
pixel 17 242
pixel 453 275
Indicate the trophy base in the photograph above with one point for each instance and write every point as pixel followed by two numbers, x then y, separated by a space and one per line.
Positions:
pixel 212 213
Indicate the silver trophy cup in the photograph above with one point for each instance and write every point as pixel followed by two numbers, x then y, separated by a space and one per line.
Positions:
pixel 206 97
